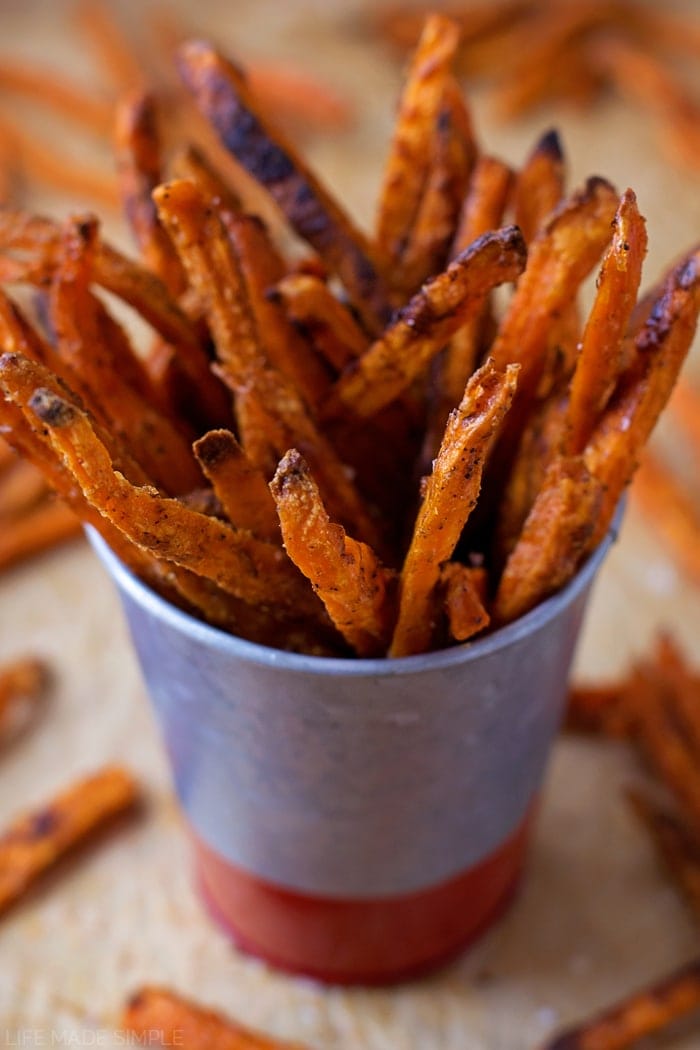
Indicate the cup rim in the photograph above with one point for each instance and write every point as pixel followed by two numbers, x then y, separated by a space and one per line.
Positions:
pixel 383 666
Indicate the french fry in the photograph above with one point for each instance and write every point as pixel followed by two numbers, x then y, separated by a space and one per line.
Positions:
pixel 407 165
pixel 55 92
pixel 23 683
pixel 600 357
pixel 214 271
pixel 429 320
pixel 601 710
pixel 346 574
pixel 245 567
pixel 676 844
pixel 239 485
pixel 539 185
pixel 116 53
pixel 254 428
pixel 139 171
pixel 464 600
pixel 684 408
pixel 36 842
pixel 223 96
pixel 554 539
pixel 450 495
pixel 661 346
pixel 642 1014
pixel 192 163
pixel 21 488
pixel 332 329
pixel 164 1018
pixel 49 524
pixel 670 512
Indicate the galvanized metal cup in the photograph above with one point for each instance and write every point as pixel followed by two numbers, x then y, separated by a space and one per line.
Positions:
pixel 356 820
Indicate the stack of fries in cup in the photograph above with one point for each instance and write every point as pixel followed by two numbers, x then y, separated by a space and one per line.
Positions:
pixel 433 463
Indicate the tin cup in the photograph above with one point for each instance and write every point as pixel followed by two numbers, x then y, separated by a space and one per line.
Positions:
pixel 358 821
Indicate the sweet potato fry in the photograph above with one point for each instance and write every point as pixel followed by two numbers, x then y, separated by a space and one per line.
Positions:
pixel 139 171
pixel 165 1019
pixel 408 163
pixel 451 161
pixel 676 844
pixel 345 574
pixel 600 357
pixel 47 525
pixel 464 600
pixel 239 485
pixel 21 488
pixel 192 163
pixel 600 709
pixel 553 541
pixel 310 304
pixel 450 496
pixel 36 842
pixel 250 569
pixel 642 1014
pixel 223 96
pixel 429 320
pixel 539 185
pixel 661 346
pixel 97 22
pixel 54 91
pixel 670 512
pixel 214 271
pixel 254 429
pixel 684 408
pixel 23 683
pixel 296 97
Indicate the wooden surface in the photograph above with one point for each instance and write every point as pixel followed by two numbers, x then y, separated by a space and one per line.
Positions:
pixel 595 915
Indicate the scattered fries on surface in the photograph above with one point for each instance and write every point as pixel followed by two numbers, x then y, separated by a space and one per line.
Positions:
pixel 533 52
pixel 37 841
pixel 165 1019
pixel 340 382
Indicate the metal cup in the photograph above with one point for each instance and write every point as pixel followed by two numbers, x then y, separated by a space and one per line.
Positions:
pixel 356 820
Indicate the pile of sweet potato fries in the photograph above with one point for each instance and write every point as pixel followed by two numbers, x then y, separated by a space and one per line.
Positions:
pixel 533 52
pixel 300 401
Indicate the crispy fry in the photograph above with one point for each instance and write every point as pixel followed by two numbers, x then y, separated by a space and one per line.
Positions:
pixel 164 1018
pixel 346 574
pixel 192 163
pixel 139 171
pixel 23 683
pixel 333 330
pixel 642 1014
pixel 670 512
pixel 676 844
pixel 450 496
pixel 540 185
pixel 661 346
pixel 432 316
pixel 553 541
pixel 408 163
pixel 214 271
pixel 600 357
pixel 464 599
pixel 36 842
pixel 245 567
pixel 239 485
pixel 225 99
pixel 254 429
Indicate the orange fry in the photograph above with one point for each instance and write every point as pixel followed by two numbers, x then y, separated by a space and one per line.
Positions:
pixel 46 526
pixel 408 164
pixel 36 842
pixel 240 486
pixel 540 185
pixel 670 512
pixel 225 99
pixel 21 488
pixel 55 92
pixel 661 346
pixel 600 357
pixel 685 410
pixel 344 573
pixel 214 271
pixel 464 604
pixel 310 304
pixel 165 1019
pixel 553 541
pixel 642 1014
pixel 95 18
pixel 23 682
pixel 429 320
pixel 450 496
pixel 192 163
pixel 294 96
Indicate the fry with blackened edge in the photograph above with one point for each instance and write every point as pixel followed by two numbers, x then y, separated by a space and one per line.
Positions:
pixel 429 320
pixel 239 485
pixel 36 842
pixel 600 357
pixel 643 1013
pixel 553 541
pixel 539 185
pixel 346 574
pixel 450 495
pixel 166 1019
pixel 225 99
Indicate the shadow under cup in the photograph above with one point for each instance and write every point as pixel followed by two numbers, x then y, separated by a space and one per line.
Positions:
pixel 358 821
